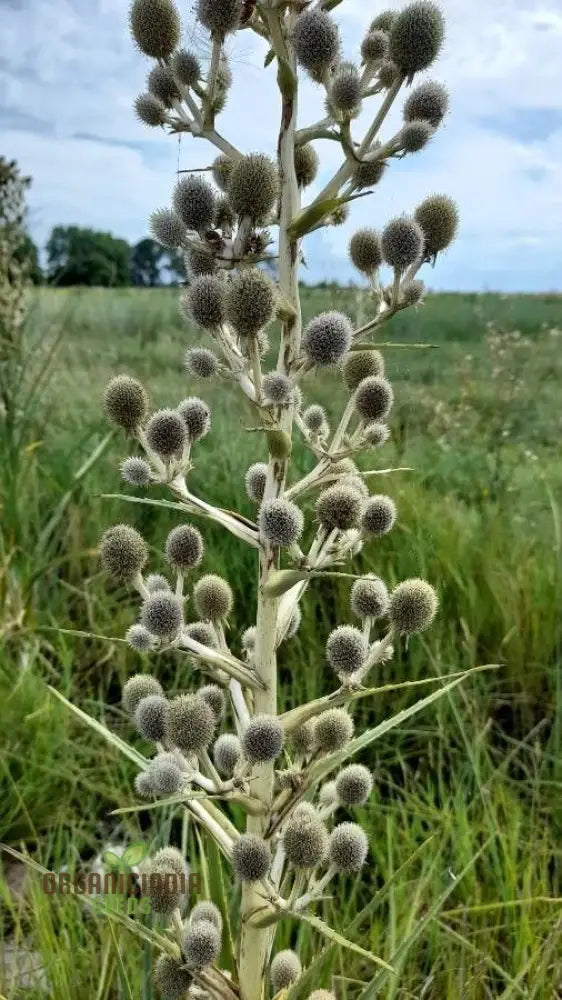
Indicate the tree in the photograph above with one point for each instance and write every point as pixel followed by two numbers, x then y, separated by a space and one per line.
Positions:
pixel 147 258
pixel 79 256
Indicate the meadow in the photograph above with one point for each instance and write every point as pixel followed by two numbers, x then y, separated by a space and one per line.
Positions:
pixel 464 888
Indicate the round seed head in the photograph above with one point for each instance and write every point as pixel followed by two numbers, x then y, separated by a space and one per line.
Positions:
pixel 200 362
pixel 220 18
pixel 415 135
pixel 346 650
pixel 155 27
pixel 123 552
pixel 384 20
pixel 206 910
pixel 192 723
pixel 333 729
pixel 161 84
pixel 194 202
pixel 227 752
pixel 429 102
pixel 339 215
pixel 212 597
pixel 402 242
pixel 167 228
pixel 155 581
pixel 359 365
pixel 166 433
pixel 369 598
pixel 416 36
pixel 165 774
pixel 305 839
pixel 413 605
pixel 365 250
pixel 202 944
pixel 262 739
pixel 379 516
pixel 348 847
pixel 376 434
pixel 161 614
pixel 327 793
pixel 253 186
pixel 374 398
pixel 125 402
pixel 202 632
pixel 278 388
pixel 186 67
pixel 354 785
pixel 196 416
pixel 139 686
pixel 204 301
pixel 316 42
pixel 374 46
pixel 306 164
pixel 184 547
pixel 255 481
pixel 135 471
pixel 251 858
pixel 249 639
pixel 281 522
pixel 314 418
pixel 368 173
pixel 150 110
pixel 139 638
pixel 413 293
pixel 387 73
pixel 339 506
pixel 250 301
pixel 294 623
pixel 151 717
pixel 345 88
pixel 171 979
pixel 199 260
pixel 285 969
pixel 222 169
pixel 327 338
pixel 224 216
pixel 439 219
pixel 303 738
pixel 143 785
pixel 166 881
pixel 214 696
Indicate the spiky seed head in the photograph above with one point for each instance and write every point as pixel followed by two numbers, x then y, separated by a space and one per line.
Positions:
pixel 212 597
pixel 376 434
pixel 139 638
pixel 262 739
pixel 167 228
pixel 365 250
pixel 192 723
pixel 368 173
pixel 204 301
pixel 151 717
pixel 251 858
pixel 203 633
pixel 306 164
pixel 339 215
pixel 361 364
pixel 327 793
pixel 143 785
pixel 439 220
pixel 186 67
pixel 354 785
pixel 402 242
pixel 220 17
pixel 161 614
pixel 206 910
pixel 314 418
pixel 388 72
pixel 413 606
pixel 196 416
pixel 221 170
pixel 374 398
pixel 198 260
pixel 171 978
pixel 316 42
pixel 303 738
pixel 327 338
pixel 200 362
pixel 194 202
pixel 123 552
pixel 255 481
pixel 369 598
pixel 345 88
pixel 214 696
pixel 294 623
pixel 281 522
pixel 165 774
pixel 227 752
pixel 139 686
pixel 155 27
pixel 125 402
pixel 415 135
pixel 348 847
pixel 285 969
pixel 346 650
pixel 184 547
pixel 135 471
pixel 150 110
pixel 250 301
pixel 166 881
pixel 383 21
pixel 340 507
pixel 416 36
pixel 429 102
pixel 374 46
pixel 305 839
pixel 379 516
pixel 166 433
pixel 162 85
pixel 333 729
pixel 253 186
pixel 278 388
pixel 155 581
pixel 249 639
pixel 224 216
pixel 202 944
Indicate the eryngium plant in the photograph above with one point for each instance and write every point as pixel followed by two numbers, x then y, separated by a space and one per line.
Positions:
pixel 225 742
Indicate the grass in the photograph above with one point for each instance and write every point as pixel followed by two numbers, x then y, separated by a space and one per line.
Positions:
pixel 477 419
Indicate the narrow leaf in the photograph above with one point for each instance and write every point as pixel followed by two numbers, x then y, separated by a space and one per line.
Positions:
pixel 327 931
pixel 99 727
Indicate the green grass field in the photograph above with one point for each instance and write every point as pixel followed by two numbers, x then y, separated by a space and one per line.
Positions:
pixel 474 912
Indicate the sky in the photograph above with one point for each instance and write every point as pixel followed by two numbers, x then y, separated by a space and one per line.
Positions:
pixel 69 74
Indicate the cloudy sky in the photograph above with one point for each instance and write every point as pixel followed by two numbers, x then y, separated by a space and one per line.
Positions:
pixel 69 75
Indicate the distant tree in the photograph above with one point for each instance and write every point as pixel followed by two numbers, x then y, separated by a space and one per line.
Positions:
pixel 147 259
pixel 77 256
pixel 175 267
